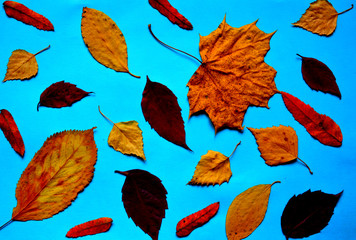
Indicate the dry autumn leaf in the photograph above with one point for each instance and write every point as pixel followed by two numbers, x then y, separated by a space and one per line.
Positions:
pixel 213 168
pixel 104 40
pixel 232 75
pixel 22 65
pixel 92 227
pixel 320 18
pixel 277 145
pixel 247 211
pixel 60 170
pixel 126 137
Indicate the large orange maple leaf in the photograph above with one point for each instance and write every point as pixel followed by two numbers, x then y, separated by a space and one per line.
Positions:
pixel 233 75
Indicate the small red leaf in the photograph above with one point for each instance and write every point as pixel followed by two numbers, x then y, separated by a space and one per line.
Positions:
pixel 22 13
pixel 195 220
pixel 320 126
pixel 92 227
pixel 11 132
pixel 61 94
pixel 166 9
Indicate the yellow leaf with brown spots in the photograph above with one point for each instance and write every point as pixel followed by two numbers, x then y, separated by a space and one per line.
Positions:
pixel 247 211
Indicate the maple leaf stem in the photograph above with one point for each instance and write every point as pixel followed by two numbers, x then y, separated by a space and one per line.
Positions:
pixel 43 50
pixel 122 173
pixel 149 28
pixel 234 149
pixel 305 165
pixel 352 6
pixel 3 226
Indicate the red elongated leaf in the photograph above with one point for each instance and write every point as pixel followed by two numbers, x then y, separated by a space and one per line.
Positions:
pixel 161 110
pixel 195 220
pixel 92 227
pixel 166 9
pixel 11 132
pixel 318 76
pixel 319 126
pixel 24 14
pixel 144 198
pixel 308 213
pixel 61 94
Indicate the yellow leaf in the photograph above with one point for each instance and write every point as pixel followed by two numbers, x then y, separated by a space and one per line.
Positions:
pixel 247 211
pixel 104 39
pixel 22 65
pixel 126 137
pixel 320 18
pixel 61 169
pixel 277 145
pixel 213 168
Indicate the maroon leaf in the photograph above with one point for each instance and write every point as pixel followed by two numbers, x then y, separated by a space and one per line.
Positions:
pixel 144 199
pixel 92 227
pixel 308 213
pixel 161 110
pixel 61 94
pixel 11 132
pixel 318 76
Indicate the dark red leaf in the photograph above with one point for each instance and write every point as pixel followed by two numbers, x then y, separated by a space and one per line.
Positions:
pixel 161 110
pixel 308 213
pixel 318 76
pixel 24 14
pixel 11 132
pixel 166 9
pixel 92 227
pixel 320 126
pixel 61 94
pixel 144 199
pixel 195 220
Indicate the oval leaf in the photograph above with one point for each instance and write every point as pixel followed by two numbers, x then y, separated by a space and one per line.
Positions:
pixel 104 40
pixel 247 211
pixel 308 213
pixel 161 110
pixel 144 199
pixel 195 220
pixel 92 227
pixel 319 126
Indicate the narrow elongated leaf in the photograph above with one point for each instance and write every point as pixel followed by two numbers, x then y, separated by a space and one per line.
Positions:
pixel 24 14
pixel 161 110
pixel 166 9
pixel 61 94
pixel 104 40
pixel 197 219
pixel 308 213
pixel 319 126
pixel 144 198
pixel 92 227
pixel 319 77
pixel 247 211
pixel 11 132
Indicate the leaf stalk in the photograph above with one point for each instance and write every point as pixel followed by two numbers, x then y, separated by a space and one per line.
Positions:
pixel 6 224
pixel 352 6
pixel 305 165
pixel 42 50
pixel 234 149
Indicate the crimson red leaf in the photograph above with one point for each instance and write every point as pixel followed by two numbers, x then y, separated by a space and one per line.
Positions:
pixel 24 14
pixel 92 227
pixel 11 132
pixel 161 110
pixel 195 220
pixel 318 76
pixel 61 94
pixel 144 199
pixel 320 126
pixel 166 9
pixel 308 213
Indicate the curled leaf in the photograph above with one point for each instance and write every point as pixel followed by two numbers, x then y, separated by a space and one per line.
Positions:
pixel 92 227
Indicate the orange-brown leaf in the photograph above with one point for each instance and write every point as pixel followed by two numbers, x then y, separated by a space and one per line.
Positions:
pixel 92 227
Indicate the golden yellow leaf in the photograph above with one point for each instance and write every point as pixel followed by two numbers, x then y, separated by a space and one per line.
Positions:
pixel 213 168
pixel 61 169
pixel 247 211
pixel 126 137
pixel 22 65
pixel 320 18
pixel 277 145
pixel 104 39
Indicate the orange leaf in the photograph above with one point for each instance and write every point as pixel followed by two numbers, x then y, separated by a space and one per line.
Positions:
pixel 92 227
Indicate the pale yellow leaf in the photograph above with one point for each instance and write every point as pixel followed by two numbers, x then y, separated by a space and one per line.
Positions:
pixel 247 211
pixel 104 39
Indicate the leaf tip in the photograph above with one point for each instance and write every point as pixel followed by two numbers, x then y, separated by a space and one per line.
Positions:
pixel 125 173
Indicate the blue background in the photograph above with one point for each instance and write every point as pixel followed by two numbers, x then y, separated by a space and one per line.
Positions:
pixel 119 96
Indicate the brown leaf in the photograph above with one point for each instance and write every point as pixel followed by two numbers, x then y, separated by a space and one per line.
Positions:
pixel 92 227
